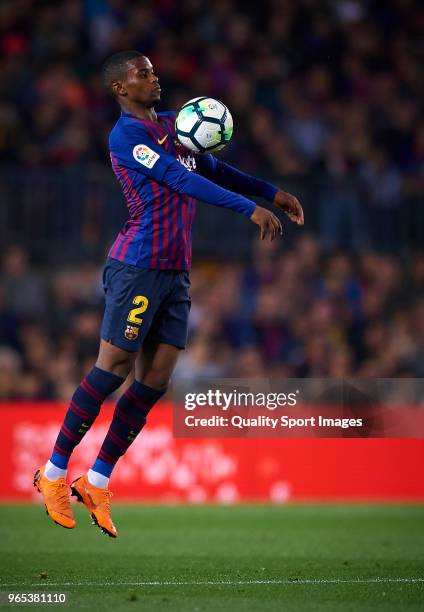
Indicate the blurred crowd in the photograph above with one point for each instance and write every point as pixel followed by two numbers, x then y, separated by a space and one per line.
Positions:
pixel 314 85
pixel 325 94
pixel 288 313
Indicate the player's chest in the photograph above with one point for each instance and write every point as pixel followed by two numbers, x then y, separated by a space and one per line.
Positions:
pixel 168 140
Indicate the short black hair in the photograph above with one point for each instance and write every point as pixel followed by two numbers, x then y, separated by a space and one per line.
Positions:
pixel 114 67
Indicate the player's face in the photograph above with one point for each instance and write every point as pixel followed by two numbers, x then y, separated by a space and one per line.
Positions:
pixel 140 82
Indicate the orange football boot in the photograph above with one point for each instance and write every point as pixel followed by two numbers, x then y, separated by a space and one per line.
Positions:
pixel 56 499
pixel 97 502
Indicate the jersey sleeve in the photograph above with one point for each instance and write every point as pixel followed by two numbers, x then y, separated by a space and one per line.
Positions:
pixel 133 147
pixel 199 187
pixel 233 179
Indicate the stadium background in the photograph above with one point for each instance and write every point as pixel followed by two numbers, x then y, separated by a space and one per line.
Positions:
pixel 327 103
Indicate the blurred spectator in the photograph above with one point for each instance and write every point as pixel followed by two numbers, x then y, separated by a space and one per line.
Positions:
pixel 10 364
pixel 382 185
pixel 24 289
pixel 342 215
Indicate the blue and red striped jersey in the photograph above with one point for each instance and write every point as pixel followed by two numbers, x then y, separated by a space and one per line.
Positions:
pixel 158 232
pixel 158 178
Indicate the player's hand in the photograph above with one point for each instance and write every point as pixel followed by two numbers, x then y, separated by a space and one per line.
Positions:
pixel 270 224
pixel 290 205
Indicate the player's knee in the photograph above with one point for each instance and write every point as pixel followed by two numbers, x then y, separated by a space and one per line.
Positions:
pixel 114 360
pixel 157 378
pixel 121 369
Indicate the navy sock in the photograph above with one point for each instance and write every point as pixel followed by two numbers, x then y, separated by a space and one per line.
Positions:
pixel 82 412
pixel 128 420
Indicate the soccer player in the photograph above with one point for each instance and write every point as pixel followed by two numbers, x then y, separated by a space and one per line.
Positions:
pixel 146 279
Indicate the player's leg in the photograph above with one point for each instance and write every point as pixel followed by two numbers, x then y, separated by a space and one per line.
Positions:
pixel 166 336
pixel 112 367
pixel 154 365
pixel 153 368
pixel 115 360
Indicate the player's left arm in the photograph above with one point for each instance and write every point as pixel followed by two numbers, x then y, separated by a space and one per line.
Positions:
pixel 235 180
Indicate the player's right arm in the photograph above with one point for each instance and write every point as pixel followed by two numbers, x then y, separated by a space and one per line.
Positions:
pixel 183 181
pixel 136 149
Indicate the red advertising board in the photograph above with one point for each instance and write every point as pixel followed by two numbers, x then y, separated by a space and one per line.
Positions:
pixel 161 468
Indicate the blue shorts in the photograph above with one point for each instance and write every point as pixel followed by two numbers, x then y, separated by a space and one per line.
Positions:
pixel 144 305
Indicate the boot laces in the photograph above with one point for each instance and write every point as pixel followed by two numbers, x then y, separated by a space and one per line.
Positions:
pixel 61 495
pixel 105 499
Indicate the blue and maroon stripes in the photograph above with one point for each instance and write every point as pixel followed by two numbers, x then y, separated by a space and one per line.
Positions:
pixel 135 207
pixel 158 232
pixel 82 412
pixel 128 420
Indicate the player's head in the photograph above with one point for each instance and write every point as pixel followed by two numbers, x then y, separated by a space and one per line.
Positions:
pixel 129 75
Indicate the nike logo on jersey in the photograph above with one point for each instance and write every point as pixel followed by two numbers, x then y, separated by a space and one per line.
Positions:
pixel 162 140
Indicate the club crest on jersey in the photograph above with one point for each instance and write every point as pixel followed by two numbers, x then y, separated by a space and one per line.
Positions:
pixel 131 332
pixel 145 155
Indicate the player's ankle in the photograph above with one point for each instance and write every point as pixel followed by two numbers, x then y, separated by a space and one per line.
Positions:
pixel 52 472
pixel 97 480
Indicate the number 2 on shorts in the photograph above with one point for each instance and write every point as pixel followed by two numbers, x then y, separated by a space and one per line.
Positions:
pixel 142 302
